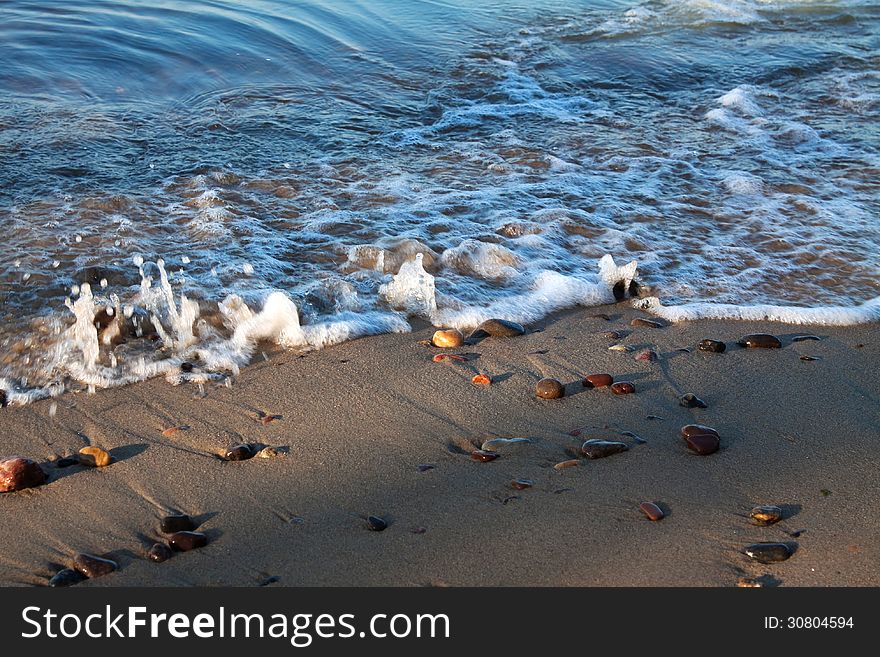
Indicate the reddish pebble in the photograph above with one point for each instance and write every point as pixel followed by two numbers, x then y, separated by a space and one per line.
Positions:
pixel 646 355
pixel 695 429
pixel 483 456
pixel 703 443
pixel 652 511
pixel 598 381
pixel 481 380
pixel 441 357
pixel 623 388
pixel 549 389
pixel 18 472
pixel 186 541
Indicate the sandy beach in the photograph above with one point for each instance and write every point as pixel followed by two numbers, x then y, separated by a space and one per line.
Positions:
pixel 362 417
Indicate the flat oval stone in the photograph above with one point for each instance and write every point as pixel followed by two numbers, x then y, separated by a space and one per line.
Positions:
pixel 652 511
pixel 599 449
pixel 240 452
pixel 703 443
pixel 92 566
pixel 159 553
pixel 769 552
pixel 646 323
pixel 623 388
pixel 94 457
pixel 549 389
pixel 495 444
pixel 694 429
pixel 765 515
pixel 498 328
pixel 646 355
pixel 713 346
pixel 376 524
pixel 186 541
pixel 66 577
pixel 483 456
pixel 522 484
pixel 760 341
pixel 447 339
pixel 802 338
pixel 598 380
pixel 18 472
pixel 177 523
pixel 690 400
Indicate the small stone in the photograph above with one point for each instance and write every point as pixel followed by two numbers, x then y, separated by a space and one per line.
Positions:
pixel 749 583
pixel 240 452
pixel 424 467
pixel 522 484
pixel 646 323
pixel 646 355
pixel 619 347
pixel 66 577
pixel 809 358
pixel 94 457
pixel 769 552
pixel 483 456
pixel 570 463
pixel 623 388
pixel 652 511
pixel 376 524
pixel 760 341
pixel 703 443
pixel 713 346
pixel 599 449
pixel 447 339
pixel 18 472
pixel 549 389
pixel 92 566
pixel 765 515
pixel 495 444
pixel 598 380
pixel 186 541
pixel 481 380
pixel 271 453
pixel 177 523
pixel 802 338
pixel 690 400
pixel 159 553
pixel 66 462
pixel 186 367
pixel 696 429
pixel 498 328
pixel 612 335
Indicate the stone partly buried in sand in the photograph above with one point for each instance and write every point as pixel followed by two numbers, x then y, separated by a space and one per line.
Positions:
pixel 598 380
pixel 92 566
pixel 159 552
pixel 186 541
pixel 760 341
pixel 652 511
pixel 646 355
pixel 599 449
pixel 66 577
pixel 498 328
pixel 712 346
pixel 701 439
pixel 484 456
pixel 177 523
pixel 765 515
pixel 376 524
pixel 94 457
pixel 690 400
pixel 549 389
pixel 623 388
pixel 18 472
pixel 522 484
pixel 241 452
pixel 769 552
pixel 646 323
pixel 447 338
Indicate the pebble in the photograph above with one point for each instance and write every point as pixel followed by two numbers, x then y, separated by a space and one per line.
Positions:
pixel 652 511
pixel 599 449
pixel 481 380
pixel 186 541
pixel 696 429
pixel 159 553
pixel 646 323
pixel 802 338
pixel 714 346
pixel 809 358
pixel 703 443
pixel 66 462
pixel 177 523
pixel 623 388
pixel 271 452
pixel 484 456
pixel 612 335
pixel 619 347
pixel 496 443
pixel 424 467
pixel 186 367
pixel 18 472
pixel 647 355
pixel 376 524
pixel 765 515
pixel 66 577
pixel 498 328
pixel 598 380
pixel 760 341
pixel 447 339
pixel 549 389
pixel 92 566
pixel 241 452
pixel 566 464
pixel 769 552
pixel 522 484
pixel 749 583
pixel 94 457
pixel 690 400
pixel 439 358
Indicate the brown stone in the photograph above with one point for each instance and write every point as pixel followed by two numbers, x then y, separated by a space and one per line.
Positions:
pixel 92 566
pixel 769 552
pixel 447 339
pixel 570 463
pixel 186 541
pixel 652 511
pixel 623 388
pixel 376 524
pixel 549 389
pixel 646 323
pixel 712 346
pixel 690 400
pixel 765 515
pixel 18 472
pixel 694 429
pixel 240 452
pixel 646 355
pixel 66 577
pixel 521 484
pixel 159 553
pixel 483 456
pixel 598 380
pixel 760 341
pixel 599 449
pixel 703 443
pixel 94 457
pixel 177 523
pixel 498 328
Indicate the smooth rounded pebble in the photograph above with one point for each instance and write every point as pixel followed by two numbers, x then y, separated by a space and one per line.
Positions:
pixel 481 380
pixel 599 449
pixel 612 335
pixel 447 338
pixel 598 380
pixel 376 524
pixel 696 429
pixel 690 400
pixel 760 341
pixel 18 472
pixel 522 484
pixel 765 515
pixel 241 452
pixel 94 457
pixel 498 328
pixel 652 511
pixel 549 389
pixel 703 444
pixel 769 552
pixel 646 355
pixel 646 323
pixel 66 577
pixel 570 463
pixel 484 456
pixel 159 553
pixel 92 566
pixel 186 541
pixel 623 388
pixel 712 346
pixel 177 523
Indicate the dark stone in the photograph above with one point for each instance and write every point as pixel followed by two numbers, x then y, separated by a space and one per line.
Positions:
pixel 186 541
pixel 376 524
pixel 549 389
pixel 18 472
pixel 652 511
pixel 483 456
pixel 598 381
pixel 241 452
pixel 635 289
pixel 760 341
pixel 599 449
pixel 498 328
pixel 765 515
pixel 801 338
pixel 769 552
pixel 619 290
pixel 646 323
pixel 714 346
pixel 424 467
pixel 623 388
pixel 159 553
pixel 703 443
pixel 612 335
pixel 809 358
pixel 186 367
pixel 92 566
pixel 66 577
pixel 177 523
pixel 690 400
pixel 66 462
pixel 695 429
pixel 3 399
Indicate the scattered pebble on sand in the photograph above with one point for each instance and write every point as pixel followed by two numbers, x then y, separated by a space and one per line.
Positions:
pixel 376 524
pixel 272 453
pixel 549 389
pixel 802 338
pixel 760 341
pixel 619 347
pixel 690 400
pixel 701 439
pixel 598 449
pixel 447 339
pixel 186 540
pixel 809 358
pixel 765 515
pixel 66 577
pixel 18 472
pixel 498 328
pixel 598 380
pixel 92 566
pixel 712 346
pixel 646 323
pixel 494 444
pixel 612 335
pixel 646 355
pixel 424 467
pixel 170 431
pixel 623 388
pixel 481 380
pixel 439 358
pixel 159 552
pixel 769 552
pixel 652 511
pixel 522 484
pixel 177 523
pixel 483 456
pixel 240 452
pixel 570 463
pixel 94 457
pixel 3 399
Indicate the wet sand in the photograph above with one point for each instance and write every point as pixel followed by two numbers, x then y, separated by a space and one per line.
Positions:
pixel 361 417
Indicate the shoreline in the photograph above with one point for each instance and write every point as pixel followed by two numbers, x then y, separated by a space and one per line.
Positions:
pixel 361 416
